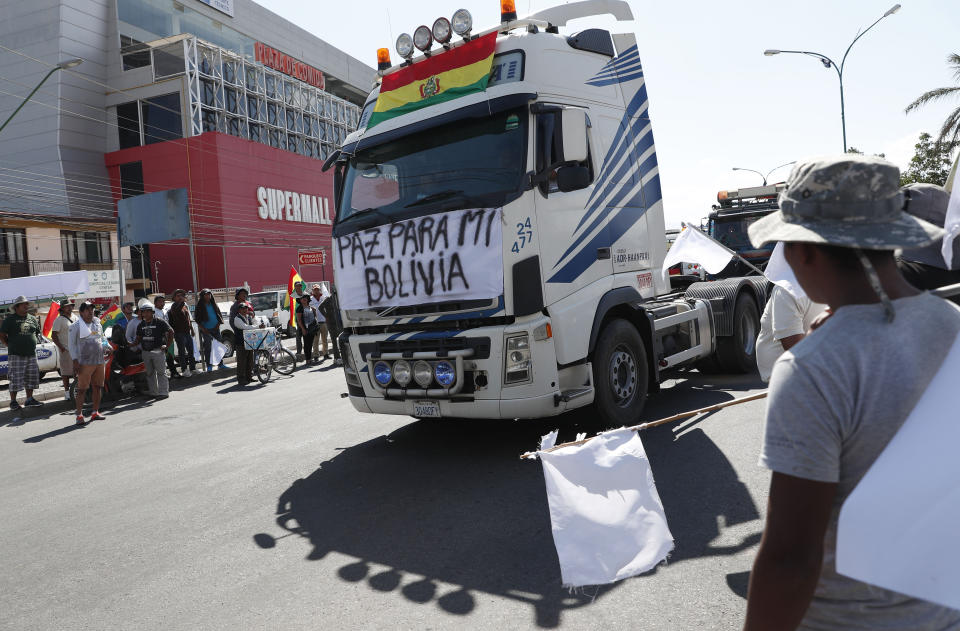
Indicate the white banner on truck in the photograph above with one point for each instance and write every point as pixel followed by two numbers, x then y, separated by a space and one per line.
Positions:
pixel 456 255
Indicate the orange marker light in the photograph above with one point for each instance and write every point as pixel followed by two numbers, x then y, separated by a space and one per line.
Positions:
pixel 549 331
pixel 383 59
pixel 508 10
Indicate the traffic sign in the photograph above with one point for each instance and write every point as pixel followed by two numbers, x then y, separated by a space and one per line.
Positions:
pixel 312 257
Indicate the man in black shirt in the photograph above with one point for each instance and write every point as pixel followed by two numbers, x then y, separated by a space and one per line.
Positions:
pixel 154 336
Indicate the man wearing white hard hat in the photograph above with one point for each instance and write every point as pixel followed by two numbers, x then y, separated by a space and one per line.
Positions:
pixel 154 335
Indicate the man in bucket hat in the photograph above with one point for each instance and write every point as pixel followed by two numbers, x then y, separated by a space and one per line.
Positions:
pixel 20 331
pixel 838 397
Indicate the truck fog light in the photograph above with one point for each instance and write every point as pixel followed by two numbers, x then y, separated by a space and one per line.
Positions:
pixel 405 45
pixel 382 373
pixel 402 373
pixel 422 373
pixel 517 359
pixel 445 374
pixel 462 22
pixel 441 30
pixel 423 38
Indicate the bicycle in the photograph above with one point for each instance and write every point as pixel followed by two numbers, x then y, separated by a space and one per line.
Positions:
pixel 265 360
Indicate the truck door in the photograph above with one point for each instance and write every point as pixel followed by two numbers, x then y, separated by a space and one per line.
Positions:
pixel 568 260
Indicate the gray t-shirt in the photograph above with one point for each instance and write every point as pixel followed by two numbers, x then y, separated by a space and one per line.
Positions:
pixel 836 400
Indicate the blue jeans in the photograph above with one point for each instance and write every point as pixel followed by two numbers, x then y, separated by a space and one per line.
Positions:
pixel 185 351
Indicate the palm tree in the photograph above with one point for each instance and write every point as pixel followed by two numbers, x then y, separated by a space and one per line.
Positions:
pixel 950 132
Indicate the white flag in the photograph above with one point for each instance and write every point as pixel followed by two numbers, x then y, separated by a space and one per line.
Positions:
pixel 779 272
pixel 217 351
pixel 607 518
pixel 952 227
pixel 692 246
pixel 898 528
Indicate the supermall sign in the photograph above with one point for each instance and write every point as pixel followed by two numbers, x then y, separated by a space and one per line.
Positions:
pixel 273 58
pixel 278 205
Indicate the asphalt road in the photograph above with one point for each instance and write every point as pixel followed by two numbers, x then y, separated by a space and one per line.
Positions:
pixel 280 507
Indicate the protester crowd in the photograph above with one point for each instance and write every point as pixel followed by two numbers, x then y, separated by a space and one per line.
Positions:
pixel 170 342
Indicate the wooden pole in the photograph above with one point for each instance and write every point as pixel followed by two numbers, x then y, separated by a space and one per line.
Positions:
pixel 670 419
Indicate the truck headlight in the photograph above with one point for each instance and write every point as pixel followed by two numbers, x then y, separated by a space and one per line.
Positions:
pixel 445 373
pixel 517 359
pixel 423 373
pixel 382 373
pixel 402 373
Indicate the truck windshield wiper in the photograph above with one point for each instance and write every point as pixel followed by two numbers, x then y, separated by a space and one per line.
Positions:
pixel 368 211
pixel 435 197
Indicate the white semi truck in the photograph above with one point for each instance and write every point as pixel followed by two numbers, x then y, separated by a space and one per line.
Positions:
pixel 498 255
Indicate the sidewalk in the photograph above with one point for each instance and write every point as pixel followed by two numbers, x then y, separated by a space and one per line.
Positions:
pixel 51 388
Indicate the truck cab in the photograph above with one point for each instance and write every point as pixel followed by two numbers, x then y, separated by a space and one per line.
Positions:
pixel 732 216
pixel 497 254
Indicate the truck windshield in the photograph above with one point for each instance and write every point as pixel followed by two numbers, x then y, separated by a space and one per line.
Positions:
pixel 476 162
pixel 266 301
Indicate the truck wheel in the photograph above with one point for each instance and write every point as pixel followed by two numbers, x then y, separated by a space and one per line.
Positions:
pixel 738 353
pixel 228 344
pixel 620 374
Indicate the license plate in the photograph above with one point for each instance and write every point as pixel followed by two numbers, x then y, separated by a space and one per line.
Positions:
pixel 426 409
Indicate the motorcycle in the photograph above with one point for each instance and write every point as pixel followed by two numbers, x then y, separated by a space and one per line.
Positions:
pixel 124 372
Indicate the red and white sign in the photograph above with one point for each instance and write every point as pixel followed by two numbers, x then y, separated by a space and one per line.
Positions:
pixel 312 257
pixel 273 58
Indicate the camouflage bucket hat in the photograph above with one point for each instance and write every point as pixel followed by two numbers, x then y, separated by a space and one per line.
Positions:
pixel 848 201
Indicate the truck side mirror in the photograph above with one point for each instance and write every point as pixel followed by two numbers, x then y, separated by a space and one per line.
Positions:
pixel 572 178
pixel 574 128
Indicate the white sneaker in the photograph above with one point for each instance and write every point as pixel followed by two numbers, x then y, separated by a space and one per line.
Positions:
pixel 66 394
pixel 186 373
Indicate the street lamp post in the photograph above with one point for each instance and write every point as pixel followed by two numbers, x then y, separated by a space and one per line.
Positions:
pixel 768 172
pixel 63 65
pixel 828 63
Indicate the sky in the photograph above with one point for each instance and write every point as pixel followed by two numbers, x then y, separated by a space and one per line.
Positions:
pixel 716 101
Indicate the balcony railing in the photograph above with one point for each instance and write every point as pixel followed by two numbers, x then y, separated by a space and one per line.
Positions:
pixel 19 269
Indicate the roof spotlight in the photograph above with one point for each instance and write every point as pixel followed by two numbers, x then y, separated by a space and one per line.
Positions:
pixel 462 22
pixel 405 45
pixel 441 30
pixel 423 38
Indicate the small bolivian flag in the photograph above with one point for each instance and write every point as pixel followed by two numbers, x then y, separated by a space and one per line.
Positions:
pixel 443 77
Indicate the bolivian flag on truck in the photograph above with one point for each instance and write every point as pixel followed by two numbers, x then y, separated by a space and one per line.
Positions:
pixel 443 77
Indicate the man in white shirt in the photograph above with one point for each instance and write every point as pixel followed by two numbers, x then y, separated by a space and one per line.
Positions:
pixel 131 331
pixel 61 337
pixel 784 322
pixel 317 296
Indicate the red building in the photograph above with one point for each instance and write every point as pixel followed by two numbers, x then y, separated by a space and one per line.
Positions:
pixel 252 207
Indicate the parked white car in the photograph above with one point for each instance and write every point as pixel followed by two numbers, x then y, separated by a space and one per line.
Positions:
pixel 47 358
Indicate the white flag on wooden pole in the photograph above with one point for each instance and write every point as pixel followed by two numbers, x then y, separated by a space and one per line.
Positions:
pixel 692 246
pixel 607 519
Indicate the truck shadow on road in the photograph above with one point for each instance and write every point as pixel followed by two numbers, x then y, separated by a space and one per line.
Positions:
pixel 438 511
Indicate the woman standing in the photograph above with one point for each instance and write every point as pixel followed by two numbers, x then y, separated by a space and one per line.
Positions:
pixel 209 319
pixel 308 321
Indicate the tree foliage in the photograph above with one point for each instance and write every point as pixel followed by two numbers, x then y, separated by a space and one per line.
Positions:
pixel 950 132
pixel 930 163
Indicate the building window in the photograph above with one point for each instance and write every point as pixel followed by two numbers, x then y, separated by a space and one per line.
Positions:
pixel 134 54
pixel 128 124
pixel 79 248
pixel 13 245
pixel 148 121
pixel 131 179
pixel 161 118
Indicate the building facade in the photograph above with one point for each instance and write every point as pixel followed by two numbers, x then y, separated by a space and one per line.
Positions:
pixel 222 98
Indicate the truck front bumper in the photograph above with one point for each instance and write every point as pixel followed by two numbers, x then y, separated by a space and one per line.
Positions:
pixel 479 392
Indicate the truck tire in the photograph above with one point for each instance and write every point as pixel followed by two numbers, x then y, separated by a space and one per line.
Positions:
pixel 738 352
pixel 620 374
